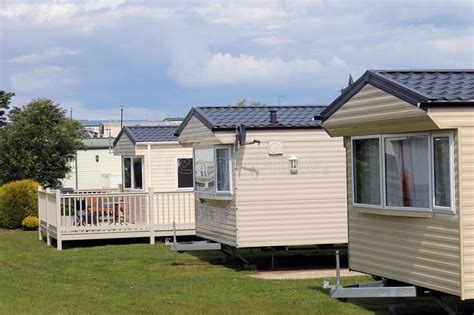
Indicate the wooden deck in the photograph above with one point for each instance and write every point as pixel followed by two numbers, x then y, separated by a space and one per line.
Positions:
pixel 106 214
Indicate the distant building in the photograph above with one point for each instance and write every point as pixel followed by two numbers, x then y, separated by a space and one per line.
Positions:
pixel 95 167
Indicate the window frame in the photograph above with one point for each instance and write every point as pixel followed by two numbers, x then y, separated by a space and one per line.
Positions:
pixel 363 205
pixel 383 202
pixel 183 157
pixel 223 192
pixel 452 175
pixel 132 172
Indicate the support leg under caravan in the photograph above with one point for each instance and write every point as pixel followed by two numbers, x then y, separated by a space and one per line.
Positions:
pixel 379 289
pixel 181 247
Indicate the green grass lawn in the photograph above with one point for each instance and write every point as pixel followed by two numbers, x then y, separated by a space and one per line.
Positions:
pixel 141 278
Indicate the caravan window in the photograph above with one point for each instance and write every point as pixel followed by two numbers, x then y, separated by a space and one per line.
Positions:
pixel 415 173
pixel 212 170
pixel 407 171
pixel 133 172
pixel 223 169
pixel 204 174
pixel 443 182
pixel 367 171
pixel 185 173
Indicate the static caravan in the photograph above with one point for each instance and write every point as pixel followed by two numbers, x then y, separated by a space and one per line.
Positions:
pixel 95 166
pixel 409 139
pixel 266 176
pixel 156 198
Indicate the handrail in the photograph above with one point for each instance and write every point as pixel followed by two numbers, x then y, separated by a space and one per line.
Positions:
pixel 67 215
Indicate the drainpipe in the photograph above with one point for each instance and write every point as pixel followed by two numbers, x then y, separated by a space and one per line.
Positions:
pixel 149 166
pixel 77 174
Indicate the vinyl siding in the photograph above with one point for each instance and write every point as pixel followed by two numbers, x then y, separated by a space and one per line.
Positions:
pixel 124 146
pixel 164 165
pixel 463 119
pixel 372 110
pixel 277 208
pixel 107 173
pixel 216 223
pixel 196 132
pixel 420 251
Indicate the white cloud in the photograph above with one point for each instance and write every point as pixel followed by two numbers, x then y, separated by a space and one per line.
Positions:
pixel 238 44
pixel 272 41
pixel 53 11
pixel 223 68
pixel 45 55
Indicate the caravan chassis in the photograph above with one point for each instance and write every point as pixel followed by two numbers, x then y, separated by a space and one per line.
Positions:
pixel 379 289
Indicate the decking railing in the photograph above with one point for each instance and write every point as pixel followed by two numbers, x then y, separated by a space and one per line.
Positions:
pixel 112 214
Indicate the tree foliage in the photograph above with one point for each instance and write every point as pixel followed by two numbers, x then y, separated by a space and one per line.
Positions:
pixel 38 144
pixel 244 103
pixel 5 99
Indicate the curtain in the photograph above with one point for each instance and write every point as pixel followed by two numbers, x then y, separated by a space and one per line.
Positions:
pixel 407 171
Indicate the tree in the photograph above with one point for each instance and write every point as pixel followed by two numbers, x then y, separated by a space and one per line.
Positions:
pixel 243 103
pixel 5 99
pixel 38 144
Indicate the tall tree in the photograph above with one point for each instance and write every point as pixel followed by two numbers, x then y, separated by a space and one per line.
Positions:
pixel 38 144
pixel 5 99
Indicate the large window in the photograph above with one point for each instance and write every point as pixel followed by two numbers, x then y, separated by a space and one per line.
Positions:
pixel 133 172
pixel 212 169
pixel 185 173
pixel 407 171
pixel 415 173
pixel 367 171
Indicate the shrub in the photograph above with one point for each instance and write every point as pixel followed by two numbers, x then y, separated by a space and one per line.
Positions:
pixel 18 200
pixel 30 222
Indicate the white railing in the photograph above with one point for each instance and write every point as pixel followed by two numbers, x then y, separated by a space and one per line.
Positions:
pixel 110 214
pixel 88 212
pixel 174 207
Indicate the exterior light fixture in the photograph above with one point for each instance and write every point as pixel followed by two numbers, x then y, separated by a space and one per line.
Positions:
pixel 293 164
pixel 97 158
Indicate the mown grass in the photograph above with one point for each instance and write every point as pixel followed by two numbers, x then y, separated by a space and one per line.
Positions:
pixel 140 278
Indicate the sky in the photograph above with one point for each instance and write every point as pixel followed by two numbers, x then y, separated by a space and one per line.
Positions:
pixel 160 58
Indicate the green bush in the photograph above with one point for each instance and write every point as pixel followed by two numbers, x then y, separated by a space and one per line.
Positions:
pixel 30 222
pixel 18 200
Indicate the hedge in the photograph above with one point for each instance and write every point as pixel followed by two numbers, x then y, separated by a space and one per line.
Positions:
pixel 18 200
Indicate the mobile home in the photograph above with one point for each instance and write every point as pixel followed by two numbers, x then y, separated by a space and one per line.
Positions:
pixel 95 166
pixel 409 139
pixel 156 198
pixel 266 176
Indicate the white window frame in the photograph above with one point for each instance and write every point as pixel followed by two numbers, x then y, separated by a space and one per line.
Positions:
pixel 452 175
pixel 181 157
pixel 132 173
pixel 363 205
pixel 383 202
pixel 387 207
pixel 228 148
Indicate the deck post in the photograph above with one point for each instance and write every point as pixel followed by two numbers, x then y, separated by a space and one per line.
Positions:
pixel 59 223
pixel 48 237
pixel 151 222
pixel 39 212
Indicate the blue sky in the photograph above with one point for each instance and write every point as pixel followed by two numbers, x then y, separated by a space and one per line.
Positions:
pixel 158 59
